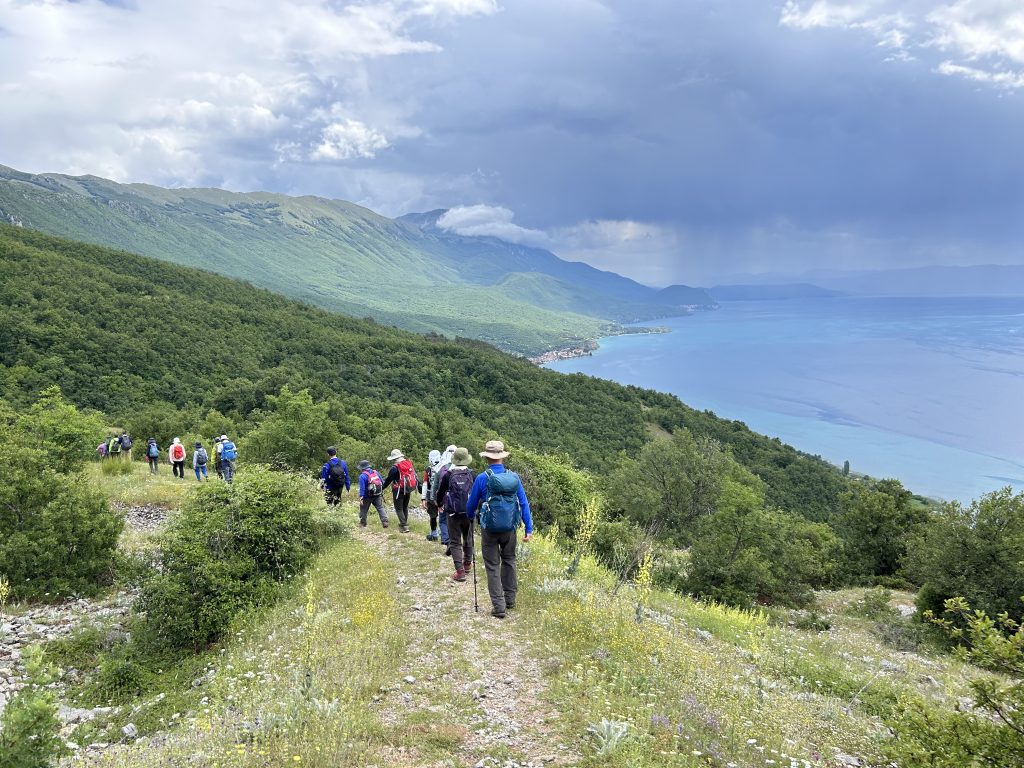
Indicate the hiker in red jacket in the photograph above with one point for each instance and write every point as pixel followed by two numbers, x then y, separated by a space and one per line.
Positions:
pixel 176 455
pixel 402 479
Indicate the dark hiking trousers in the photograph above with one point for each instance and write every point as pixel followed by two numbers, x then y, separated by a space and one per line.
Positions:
pixel 364 507
pixel 154 464
pixel 499 551
pixel 402 507
pixel 432 514
pixel 332 496
pixel 460 529
pixel 178 468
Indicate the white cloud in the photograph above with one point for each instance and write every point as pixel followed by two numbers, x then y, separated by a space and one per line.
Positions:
pixel 984 37
pixel 490 221
pixel 347 140
pixel 649 253
pixel 198 91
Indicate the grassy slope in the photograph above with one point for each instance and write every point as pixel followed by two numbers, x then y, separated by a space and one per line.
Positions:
pixel 332 253
pixel 321 680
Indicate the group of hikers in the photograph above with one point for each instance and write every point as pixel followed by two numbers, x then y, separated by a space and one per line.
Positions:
pixel 457 501
pixel 225 454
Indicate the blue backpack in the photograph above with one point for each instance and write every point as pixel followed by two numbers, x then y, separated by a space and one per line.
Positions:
pixel 153 451
pixel 228 451
pixel 500 512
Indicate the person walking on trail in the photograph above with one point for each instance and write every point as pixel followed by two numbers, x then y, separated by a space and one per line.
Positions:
pixel 371 489
pixel 453 498
pixel 114 448
pixel 228 457
pixel 217 446
pixel 498 496
pixel 199 460
pixel 334 477
pixel 101 449
pixel 176 455
pixel 152 455
pixel 428 491
pixel 443 465
pixel 126 446
pixel 402 479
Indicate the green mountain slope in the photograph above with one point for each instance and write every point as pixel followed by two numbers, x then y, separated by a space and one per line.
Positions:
pixel 339 256
pixel 121 332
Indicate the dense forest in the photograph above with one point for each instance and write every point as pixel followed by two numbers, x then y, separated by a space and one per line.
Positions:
pixel 129 335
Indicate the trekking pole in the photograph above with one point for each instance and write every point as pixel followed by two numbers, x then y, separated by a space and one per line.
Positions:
pixel 472 549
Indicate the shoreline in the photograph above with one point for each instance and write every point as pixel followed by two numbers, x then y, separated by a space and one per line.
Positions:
pixel 587 348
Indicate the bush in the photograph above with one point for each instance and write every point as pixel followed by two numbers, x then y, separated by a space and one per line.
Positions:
pixel 230 548
pixel 29 727
pixel 991 731
pixel 293 433
pixel 975 552
pixel 874 524
pixel 111 467
pixel 58 536
pixel 749 555
pixel 557 491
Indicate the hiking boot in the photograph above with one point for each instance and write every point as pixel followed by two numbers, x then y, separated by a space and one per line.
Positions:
pixel 362 523
pixel 497 614
pixel 403 529
pixel 431 537
pixel 447 550
pixel 460 575
pixel 510 606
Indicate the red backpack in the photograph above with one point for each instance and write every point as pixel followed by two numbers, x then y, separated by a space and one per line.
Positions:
pixel 406 476
pixel 178 452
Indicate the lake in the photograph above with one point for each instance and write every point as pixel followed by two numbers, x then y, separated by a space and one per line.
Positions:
pixel 929 391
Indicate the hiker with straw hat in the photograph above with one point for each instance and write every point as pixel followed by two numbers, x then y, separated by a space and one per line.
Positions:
pixel 402 479
pixel 498 500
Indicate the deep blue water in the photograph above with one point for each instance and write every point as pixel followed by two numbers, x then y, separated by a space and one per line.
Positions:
pixel 926 390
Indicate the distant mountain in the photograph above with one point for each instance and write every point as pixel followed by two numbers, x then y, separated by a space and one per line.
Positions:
pixel 979 280
pixel 685 296
pixel 769 292
pixel 341 256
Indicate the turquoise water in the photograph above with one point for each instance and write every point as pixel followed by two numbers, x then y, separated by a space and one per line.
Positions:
pixel 926 390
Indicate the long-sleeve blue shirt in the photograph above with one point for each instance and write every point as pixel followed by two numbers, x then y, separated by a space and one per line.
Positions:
pixel 478 494
pixel 363 475
pixel 325 473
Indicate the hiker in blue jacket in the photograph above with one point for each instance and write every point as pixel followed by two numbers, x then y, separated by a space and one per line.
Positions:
pixel 371 488
pixel 334 477
pixel 498 496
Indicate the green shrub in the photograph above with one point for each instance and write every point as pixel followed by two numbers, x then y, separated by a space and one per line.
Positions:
pixel 874 604
pixel 293 432
pixel 29 727
pixel 229 549
pixel 975 552
pixel 66 437
pixel 747 555
pixel 120 676
pixel 557 491
pixel 991 731
pixel 113 467
pixel 58 536
pixel 874 524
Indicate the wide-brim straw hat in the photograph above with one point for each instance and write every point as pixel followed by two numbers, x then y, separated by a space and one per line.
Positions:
pixel 396 455
pixel 495 449
pixel 461 457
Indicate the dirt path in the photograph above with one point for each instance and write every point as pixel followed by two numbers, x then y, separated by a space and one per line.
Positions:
pixel 471 690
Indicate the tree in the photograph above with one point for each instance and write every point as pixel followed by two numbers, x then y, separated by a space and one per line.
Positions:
pixel 874 524
pixel 974 552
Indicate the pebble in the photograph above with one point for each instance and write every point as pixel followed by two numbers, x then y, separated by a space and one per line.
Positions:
pixel 130 731
pixel 409 679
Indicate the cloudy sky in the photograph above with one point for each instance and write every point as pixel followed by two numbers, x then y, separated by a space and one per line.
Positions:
pixel 676 140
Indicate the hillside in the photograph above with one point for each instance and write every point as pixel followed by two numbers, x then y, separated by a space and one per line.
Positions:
pixel 124 333
pixel 340 256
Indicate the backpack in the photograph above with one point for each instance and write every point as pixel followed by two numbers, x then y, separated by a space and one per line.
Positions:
pixel 430 488
pixel 500 512
pixel 460 482
pixel 374 485
pixel 177 452
pixel 406 476
pixel 115 446
pixel 228 451
pixel 126 442
pixel 336 474
pixel 201 457
pixel 153 450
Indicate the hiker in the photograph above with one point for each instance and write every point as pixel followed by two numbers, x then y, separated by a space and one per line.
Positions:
pixel 453 495
pixel 152 455
pixel 114 448
pixel 334 477
pixel 126 446
pixel 217 446
pixel 371 488
pixel 228 457
pixel 101 449
pixel 176 455
pixel 499 496
pixel 428 491
pixel 199 460
pixel 402 479
pixel 443 465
